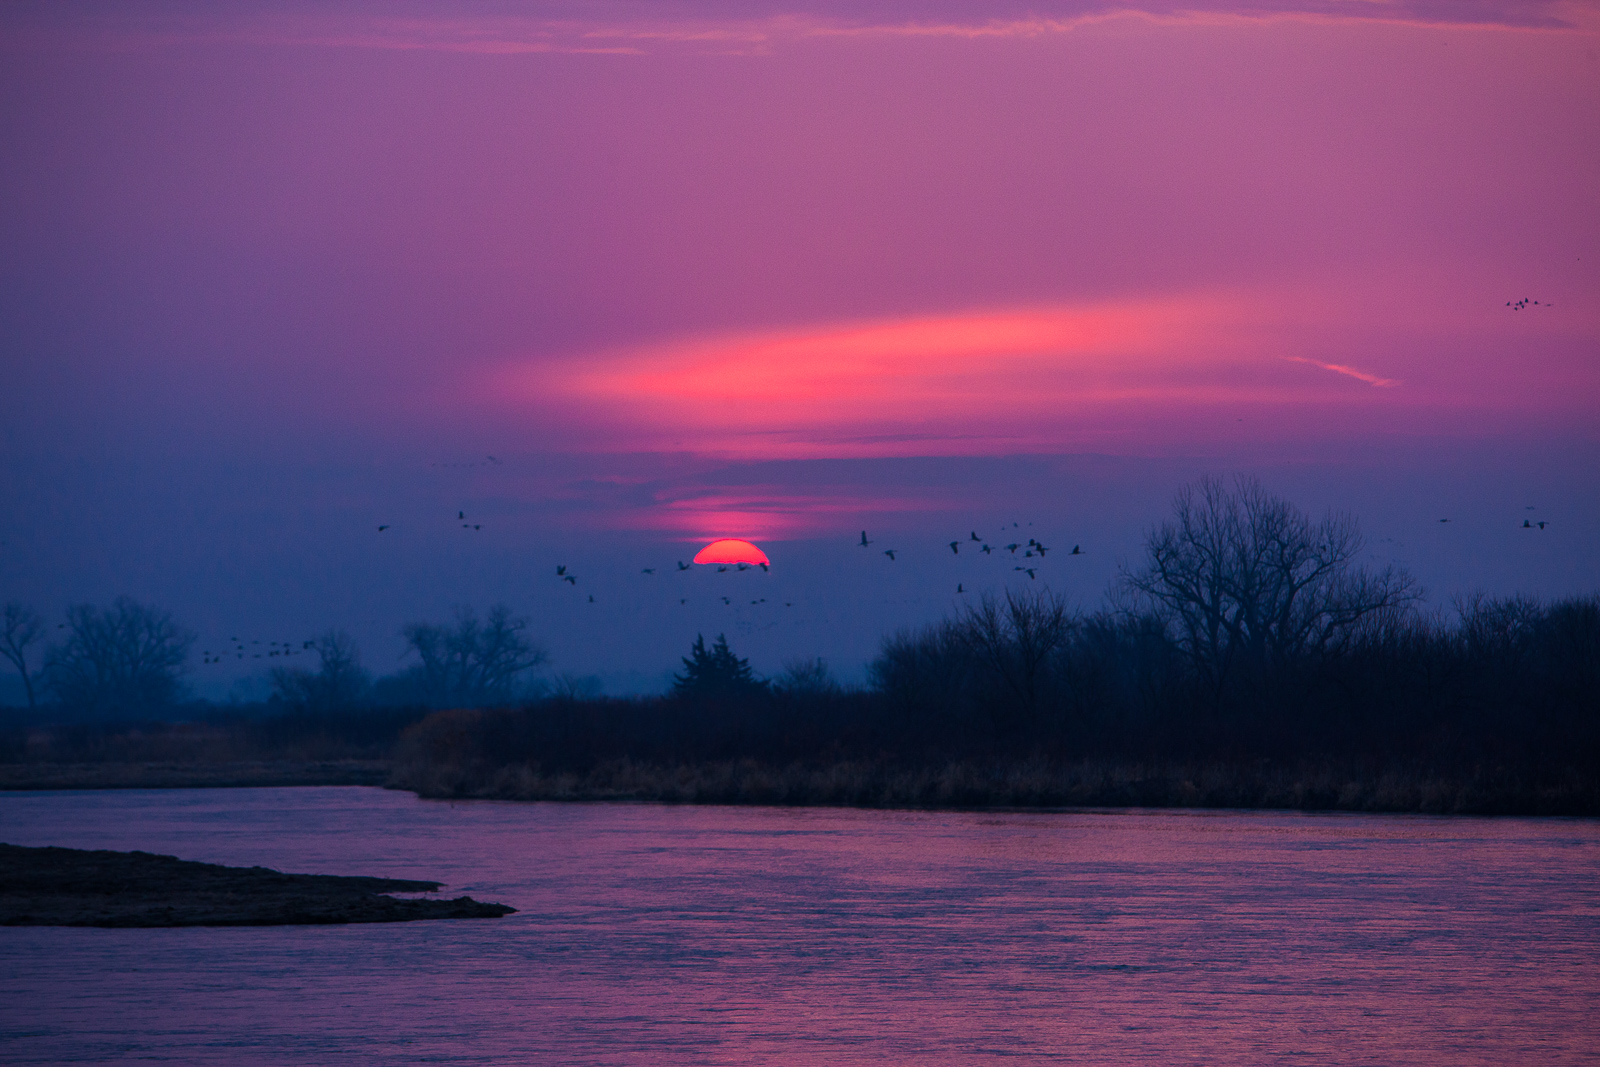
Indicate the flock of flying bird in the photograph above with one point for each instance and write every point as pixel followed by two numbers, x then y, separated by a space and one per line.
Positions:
pixel 1032 549
pixel 273 650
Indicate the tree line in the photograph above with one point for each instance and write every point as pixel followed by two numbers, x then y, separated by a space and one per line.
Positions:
pixel 1247 630
pixel 127 661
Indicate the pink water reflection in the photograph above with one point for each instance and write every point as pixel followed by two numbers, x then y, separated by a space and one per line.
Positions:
pixel 724 935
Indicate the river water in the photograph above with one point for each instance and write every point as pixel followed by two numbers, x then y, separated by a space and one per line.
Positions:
pixel 709 935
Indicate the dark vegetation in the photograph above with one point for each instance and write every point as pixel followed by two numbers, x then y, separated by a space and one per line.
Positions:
pixel 1249 660
pixel 74 887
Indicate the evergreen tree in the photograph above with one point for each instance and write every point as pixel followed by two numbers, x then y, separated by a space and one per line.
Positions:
pixel 714 672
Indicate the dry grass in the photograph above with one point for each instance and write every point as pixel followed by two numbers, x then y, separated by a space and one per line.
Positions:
pixel 1087 783
pixel 158 775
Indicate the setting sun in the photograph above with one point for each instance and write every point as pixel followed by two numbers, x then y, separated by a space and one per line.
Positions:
pixel 731 550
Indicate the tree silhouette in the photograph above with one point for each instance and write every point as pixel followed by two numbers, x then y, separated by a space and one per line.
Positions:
pixel 714 672
pixel 22 627
pixel 471 663
pixel 125 658
pixel 1248 581
pixel 340 682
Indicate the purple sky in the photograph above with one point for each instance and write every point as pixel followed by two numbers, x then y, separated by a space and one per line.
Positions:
pixel 276 274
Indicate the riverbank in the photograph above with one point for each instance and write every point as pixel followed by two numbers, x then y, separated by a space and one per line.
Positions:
pixel 74 887
pixel 1027 784
pixel 189 774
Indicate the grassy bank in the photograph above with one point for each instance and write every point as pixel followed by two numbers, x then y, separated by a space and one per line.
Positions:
pixel 220 749
pixel 1034 783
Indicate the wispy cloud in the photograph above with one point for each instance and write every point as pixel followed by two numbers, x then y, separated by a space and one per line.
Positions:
pixel 976 382
pixel 556 27
pixel 1350 372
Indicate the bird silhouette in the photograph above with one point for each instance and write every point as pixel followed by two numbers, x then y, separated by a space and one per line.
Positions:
pixel 890 553
pixel 975 536
pixel 1444 520
pixel 744 566
pixel 721 569
pixel 955 546
pixel 1040 549
pixel 1526 525
pixel 461 514
pixel 1030 570
pixel 591 598
pixel 1076 551
pixel 570 580
pixel 561 569
pixel 864 541
pixel 765 568
pixel 382 528
pixel 959 589
pixel 725 600
pixel 648 570
pixel 682 566
pixel 986 550
pixel 1012 548
pixel 685 600
pixel 1541 524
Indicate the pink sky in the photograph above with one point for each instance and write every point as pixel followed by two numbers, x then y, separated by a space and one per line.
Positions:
pixel 648 261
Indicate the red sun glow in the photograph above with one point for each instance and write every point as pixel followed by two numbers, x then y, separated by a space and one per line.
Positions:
pixel 731 550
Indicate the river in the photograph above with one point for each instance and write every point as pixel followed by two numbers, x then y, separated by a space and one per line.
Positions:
pixel 712 935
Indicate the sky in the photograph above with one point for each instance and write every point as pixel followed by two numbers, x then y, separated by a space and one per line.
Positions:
pixel 613 280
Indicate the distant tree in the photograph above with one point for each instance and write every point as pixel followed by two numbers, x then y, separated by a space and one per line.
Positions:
pixel 807 678
pixel 715 672
pixel 1015 640
pixel 471 663
pixel 126 659
pixel 1248 581
pixel 22 627
pixel 339 683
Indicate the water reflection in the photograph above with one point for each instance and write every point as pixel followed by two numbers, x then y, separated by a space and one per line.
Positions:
pixel 727 935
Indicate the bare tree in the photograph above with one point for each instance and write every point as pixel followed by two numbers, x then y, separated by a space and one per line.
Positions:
pixel 807 678
pixel 339 683
pixel 471 662
pixel 22 628
pixel 1014 640
pixel 1247 579
pixel 126 658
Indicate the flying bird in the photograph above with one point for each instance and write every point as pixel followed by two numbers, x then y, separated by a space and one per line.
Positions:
pixel 721 569
pixel 1030 570
pixel 461 514
pixel 648 570
pixel 591 598
pixel 864 541
pixel 1541 524
pixel 382 528
pixel 955 546
pixel 561 569
pixel 975 536
pixel 682 566
pixel 1076 551
pixel 765 568
pixel 1012 548
pixel 1039 549
pixel 959 589
pixel 890 553
pixel 986 550
pixel 570 580
pixel 744 566
pixel 1444 520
